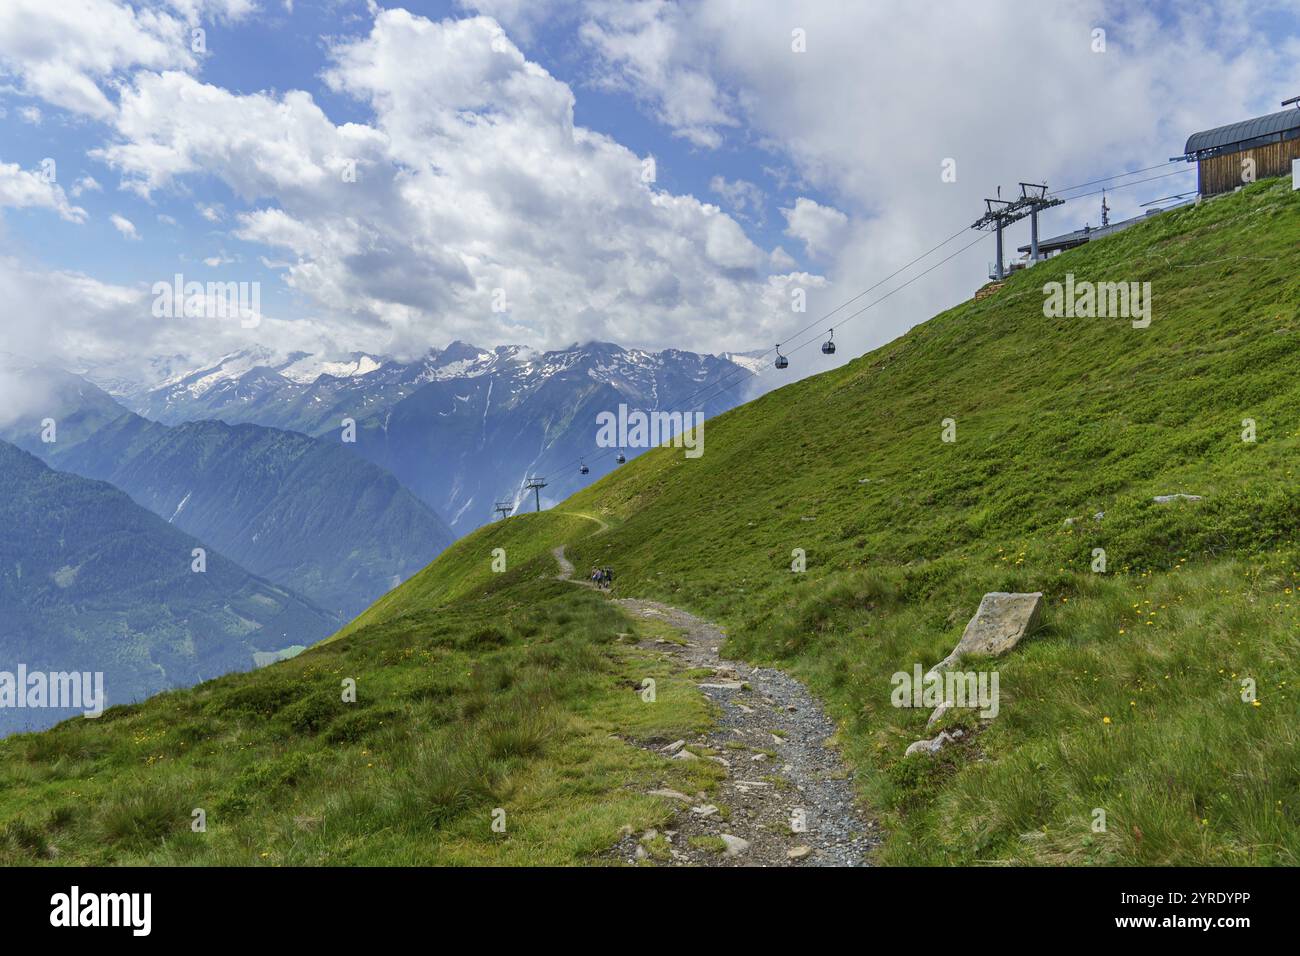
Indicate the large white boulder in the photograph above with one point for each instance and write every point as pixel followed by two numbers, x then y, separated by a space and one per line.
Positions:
pixel 1002 621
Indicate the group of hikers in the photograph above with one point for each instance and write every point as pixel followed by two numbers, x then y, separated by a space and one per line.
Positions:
pixel 602 577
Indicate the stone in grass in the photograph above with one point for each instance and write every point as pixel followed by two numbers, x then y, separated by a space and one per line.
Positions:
pixel 932 746
pixel 797 852
pixel 670 795
pixel 1002 621
pixel 734 845
pixel 1166 499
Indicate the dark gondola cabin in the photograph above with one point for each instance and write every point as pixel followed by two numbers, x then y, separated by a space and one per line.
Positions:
pixel 828 347
pixel 781 360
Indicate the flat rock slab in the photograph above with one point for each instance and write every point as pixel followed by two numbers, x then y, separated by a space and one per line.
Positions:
pixel 669 794
pixel 1002 621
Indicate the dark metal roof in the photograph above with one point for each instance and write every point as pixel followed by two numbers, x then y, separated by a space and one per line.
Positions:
pixel 1077 238
pixel 1249 129
pixel 1080 236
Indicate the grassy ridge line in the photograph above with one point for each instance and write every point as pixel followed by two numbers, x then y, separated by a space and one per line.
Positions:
pixel 466 569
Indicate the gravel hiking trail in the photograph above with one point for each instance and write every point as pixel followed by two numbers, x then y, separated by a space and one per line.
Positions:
pixel 787 799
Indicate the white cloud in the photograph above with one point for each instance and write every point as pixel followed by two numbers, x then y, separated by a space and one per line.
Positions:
pixel 105 324
pixel 85 184
pixel 124 226
pixel 820 228
pixel 781 260
pixel 31 115
pixel 70 53
pixel 643 47
pixel 522 17
pixel 21 188
pixel 84 306
pixel 740 196
pixel 473 177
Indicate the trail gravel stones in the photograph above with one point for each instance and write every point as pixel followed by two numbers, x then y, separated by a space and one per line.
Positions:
pixel 787 799
pixel 787 796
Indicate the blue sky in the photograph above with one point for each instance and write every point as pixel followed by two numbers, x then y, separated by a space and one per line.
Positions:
pixel 776 169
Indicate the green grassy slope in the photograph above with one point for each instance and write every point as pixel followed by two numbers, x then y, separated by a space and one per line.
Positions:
pixel 467 570
pixel 1127 700
pixel 522 702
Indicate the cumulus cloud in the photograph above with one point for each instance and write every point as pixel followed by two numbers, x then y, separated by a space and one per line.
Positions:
pixel 70 54
pixel 820 228
pixel 472 187
pixel 644 47
pixel 21 188
pixel 74 53
pixel 82 305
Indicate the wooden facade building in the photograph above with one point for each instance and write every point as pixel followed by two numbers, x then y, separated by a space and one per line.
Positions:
pixel 1272 141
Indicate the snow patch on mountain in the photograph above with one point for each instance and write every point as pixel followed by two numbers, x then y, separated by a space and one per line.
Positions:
pixel 180 507
pixel 309 368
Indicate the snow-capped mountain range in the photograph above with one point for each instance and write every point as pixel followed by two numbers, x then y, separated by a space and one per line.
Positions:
pixel 462 427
